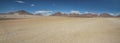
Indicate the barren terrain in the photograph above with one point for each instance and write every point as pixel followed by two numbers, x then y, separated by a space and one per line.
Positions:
pixel 60 30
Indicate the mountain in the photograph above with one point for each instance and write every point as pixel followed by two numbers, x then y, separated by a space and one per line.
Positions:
pixel 118 15
pixel 3 13
pixel 58 14
pixel 74 15
pixel 17 14
pixel 23 12
pixel 20 12
pixel 39 14
pixel 105 15
pixel 89 15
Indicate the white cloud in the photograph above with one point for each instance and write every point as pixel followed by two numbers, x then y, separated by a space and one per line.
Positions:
pixel 44 12
pixel 90 12
pixel 111 13
pixel 76 12
pixel 32 5
pixel 86 12
pixel 20 1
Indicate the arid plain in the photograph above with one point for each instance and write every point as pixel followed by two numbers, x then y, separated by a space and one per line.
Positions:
pixel 60 30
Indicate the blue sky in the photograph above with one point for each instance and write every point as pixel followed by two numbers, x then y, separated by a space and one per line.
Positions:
pixel 97 6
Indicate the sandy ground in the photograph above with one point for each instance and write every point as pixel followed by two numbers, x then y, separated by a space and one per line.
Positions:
pixel 60 30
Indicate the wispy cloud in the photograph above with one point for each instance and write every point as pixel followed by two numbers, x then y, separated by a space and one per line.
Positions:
pixel 20 1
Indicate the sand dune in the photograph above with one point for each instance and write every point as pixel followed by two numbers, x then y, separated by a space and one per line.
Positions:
pixel 60 30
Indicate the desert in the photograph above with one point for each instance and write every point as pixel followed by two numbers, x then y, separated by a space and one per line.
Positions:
pixel 59 21
pixel 58 29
